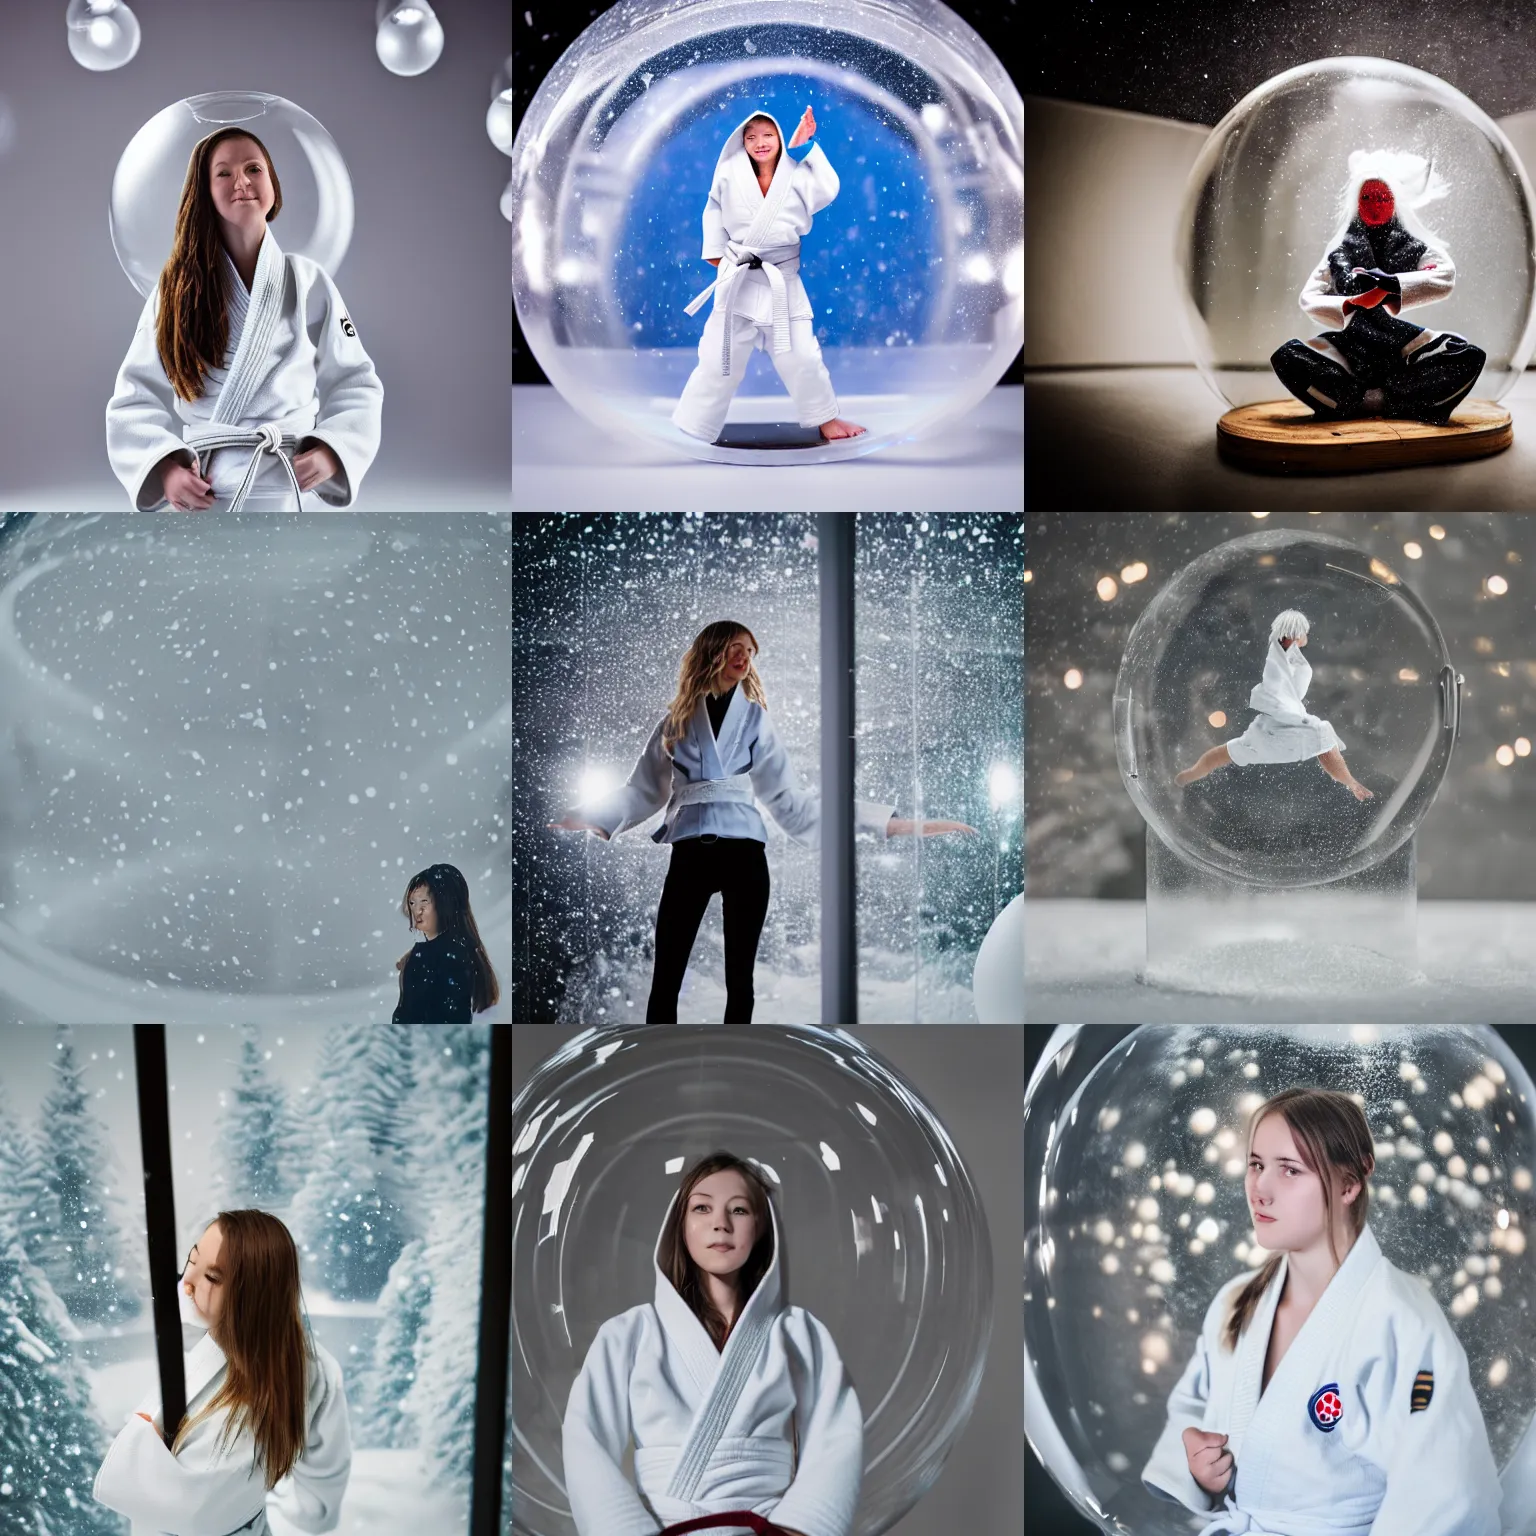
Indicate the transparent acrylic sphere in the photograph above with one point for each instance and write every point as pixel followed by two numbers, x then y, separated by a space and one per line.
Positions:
pixel 1264 199
pixel 1135 1141
pixel 103 34
pixel 226 743
pixel 915 272
pixel 1381 675
pixel 316 220
pixel 885 1239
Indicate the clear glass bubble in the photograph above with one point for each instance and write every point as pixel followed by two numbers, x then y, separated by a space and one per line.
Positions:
pixel 410 37
pixel 915 271
pixel 316 220
pixel 1138 1216
pixel 1265 198
pixel 867 1179
pixel 103 34
pixel 226 743
pixel 498 116
pixel 1381 676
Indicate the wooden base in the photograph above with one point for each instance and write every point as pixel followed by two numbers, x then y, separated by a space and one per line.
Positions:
pixel 1284 437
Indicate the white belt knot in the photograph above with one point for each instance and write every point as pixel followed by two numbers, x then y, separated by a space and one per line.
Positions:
pixel 772 262
pixel 1234 1522
pixel 268 438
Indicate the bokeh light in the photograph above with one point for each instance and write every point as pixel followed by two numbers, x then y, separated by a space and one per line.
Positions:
pixel 1497 586
pixel 1074 678
pixel 1505 755
pixel 1413 551
pixel 1107 588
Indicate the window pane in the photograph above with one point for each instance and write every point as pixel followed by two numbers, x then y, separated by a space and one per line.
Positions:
pixel 368 1142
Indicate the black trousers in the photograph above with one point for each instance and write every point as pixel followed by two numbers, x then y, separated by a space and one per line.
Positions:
pixel 1426 385
pixel 737 867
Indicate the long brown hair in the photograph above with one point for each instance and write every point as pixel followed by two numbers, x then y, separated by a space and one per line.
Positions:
pixel 701 661
pixel 456 919
pixel 1333 1138
pixel 261 1331
pixel 192 330
pixel 676 1263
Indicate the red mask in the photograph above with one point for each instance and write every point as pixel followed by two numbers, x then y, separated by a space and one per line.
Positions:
pixel 1376 205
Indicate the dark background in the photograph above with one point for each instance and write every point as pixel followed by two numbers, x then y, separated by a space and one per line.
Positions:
pixel 1196 59
pixel 541 32
pixel 1047 1510
pixel 1084 837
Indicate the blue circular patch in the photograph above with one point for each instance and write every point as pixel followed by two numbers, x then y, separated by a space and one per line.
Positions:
pixel 1325 1407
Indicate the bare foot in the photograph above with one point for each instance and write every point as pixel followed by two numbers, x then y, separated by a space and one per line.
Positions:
pixel 837 427
pixel 1360 792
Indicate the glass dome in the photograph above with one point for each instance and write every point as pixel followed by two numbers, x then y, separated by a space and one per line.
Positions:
pixel 1264 199
pixel 915 272
pixel 867 1180
pixel 1381 676
pixel 316 220
pixel 226 743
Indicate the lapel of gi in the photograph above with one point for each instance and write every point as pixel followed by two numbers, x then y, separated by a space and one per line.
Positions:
pixel 203 1362
pixel 704 740
pixel 730 730
pixel 773 199
pixel 253 355
pixel 1248 1371
pixel 721 1376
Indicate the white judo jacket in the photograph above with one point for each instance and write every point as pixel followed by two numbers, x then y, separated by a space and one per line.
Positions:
pixel 200 1492
pixel 709 785
pixel 1369 1426
pixel 714 1432
pixel 294 368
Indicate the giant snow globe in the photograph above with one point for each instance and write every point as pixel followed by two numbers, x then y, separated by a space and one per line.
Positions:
pixel 915 272
pixel 1275 865
pixel 1271 196
pixel 1135 1215
pixel 885 1240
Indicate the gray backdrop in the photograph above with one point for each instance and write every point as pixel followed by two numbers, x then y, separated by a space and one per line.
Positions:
pixel 973 1077
pixel 427 275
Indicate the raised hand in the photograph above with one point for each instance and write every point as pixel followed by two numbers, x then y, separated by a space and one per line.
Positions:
pixel 1210 1462
pixel 806 130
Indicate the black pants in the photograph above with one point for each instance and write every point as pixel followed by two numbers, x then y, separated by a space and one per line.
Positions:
pixel 737 867
pixel 1427 385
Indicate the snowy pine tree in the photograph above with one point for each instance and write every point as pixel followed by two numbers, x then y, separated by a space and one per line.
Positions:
pixel 451 1139
pixel 357 1209
pixel 82 1249
pixel 23 1183
pixel 380 1417
pixel 51 1442
pixel 261 1142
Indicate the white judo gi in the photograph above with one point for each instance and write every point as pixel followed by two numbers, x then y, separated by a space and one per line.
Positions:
pixel 294 374
pixel 199 1492
pixel 1369 1426
pixel 1283 731
pixel 710 785
pixel 764 306
pixel 714 1432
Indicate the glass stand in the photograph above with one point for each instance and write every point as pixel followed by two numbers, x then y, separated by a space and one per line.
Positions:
pixel 1206 933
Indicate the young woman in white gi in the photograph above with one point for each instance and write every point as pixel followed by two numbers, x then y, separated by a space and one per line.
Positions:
pixel 738 1406
pixel 761 202
pixel 245 377
pixel 1282 731
pixel 266 1412
pixel 711 756
pixel 1327 1394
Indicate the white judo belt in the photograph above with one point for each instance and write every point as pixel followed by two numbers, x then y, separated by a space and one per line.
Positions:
pixel 693 791
pixel 262 440
pixel 774 262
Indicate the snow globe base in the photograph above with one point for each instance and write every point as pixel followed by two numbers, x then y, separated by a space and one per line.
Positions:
pixel 1206 933
pixel 1285 437
pixel 769 434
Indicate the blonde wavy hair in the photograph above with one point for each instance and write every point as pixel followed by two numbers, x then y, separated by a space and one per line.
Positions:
pixel 701 662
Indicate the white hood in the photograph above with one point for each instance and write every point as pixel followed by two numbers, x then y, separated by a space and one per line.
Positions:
pixel 736 146
pixel 767 1300
pixel 1286 679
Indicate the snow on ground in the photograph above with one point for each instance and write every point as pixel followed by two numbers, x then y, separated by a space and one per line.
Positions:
pixel 1083 961
pixel 388 1496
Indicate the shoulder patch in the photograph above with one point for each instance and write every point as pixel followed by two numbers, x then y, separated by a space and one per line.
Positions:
pixel 1423 1390
pixel 1325 1407
pixel 347 326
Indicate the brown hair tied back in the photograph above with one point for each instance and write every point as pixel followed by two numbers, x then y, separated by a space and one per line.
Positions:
pixel 1335 1142
pixel 192 327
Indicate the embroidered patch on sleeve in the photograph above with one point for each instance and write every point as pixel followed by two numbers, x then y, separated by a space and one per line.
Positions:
pixel 1423 1390
pixel 347 326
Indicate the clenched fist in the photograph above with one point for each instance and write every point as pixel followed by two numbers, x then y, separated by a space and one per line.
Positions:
pixel 1210 1462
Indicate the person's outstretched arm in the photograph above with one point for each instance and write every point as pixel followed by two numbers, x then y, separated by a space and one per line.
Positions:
pixel 900 826
pixel 645 792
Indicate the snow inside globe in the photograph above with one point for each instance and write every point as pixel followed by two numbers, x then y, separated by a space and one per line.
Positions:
pixel 1135 1215
pixel 316 216
pixel 1273 195
pixel 908 280
pixel 1378 682
pixel 885 1240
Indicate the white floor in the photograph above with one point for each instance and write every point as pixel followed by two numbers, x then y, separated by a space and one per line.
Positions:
pixel 401 496
pixel 562 463
pixel 1477 964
